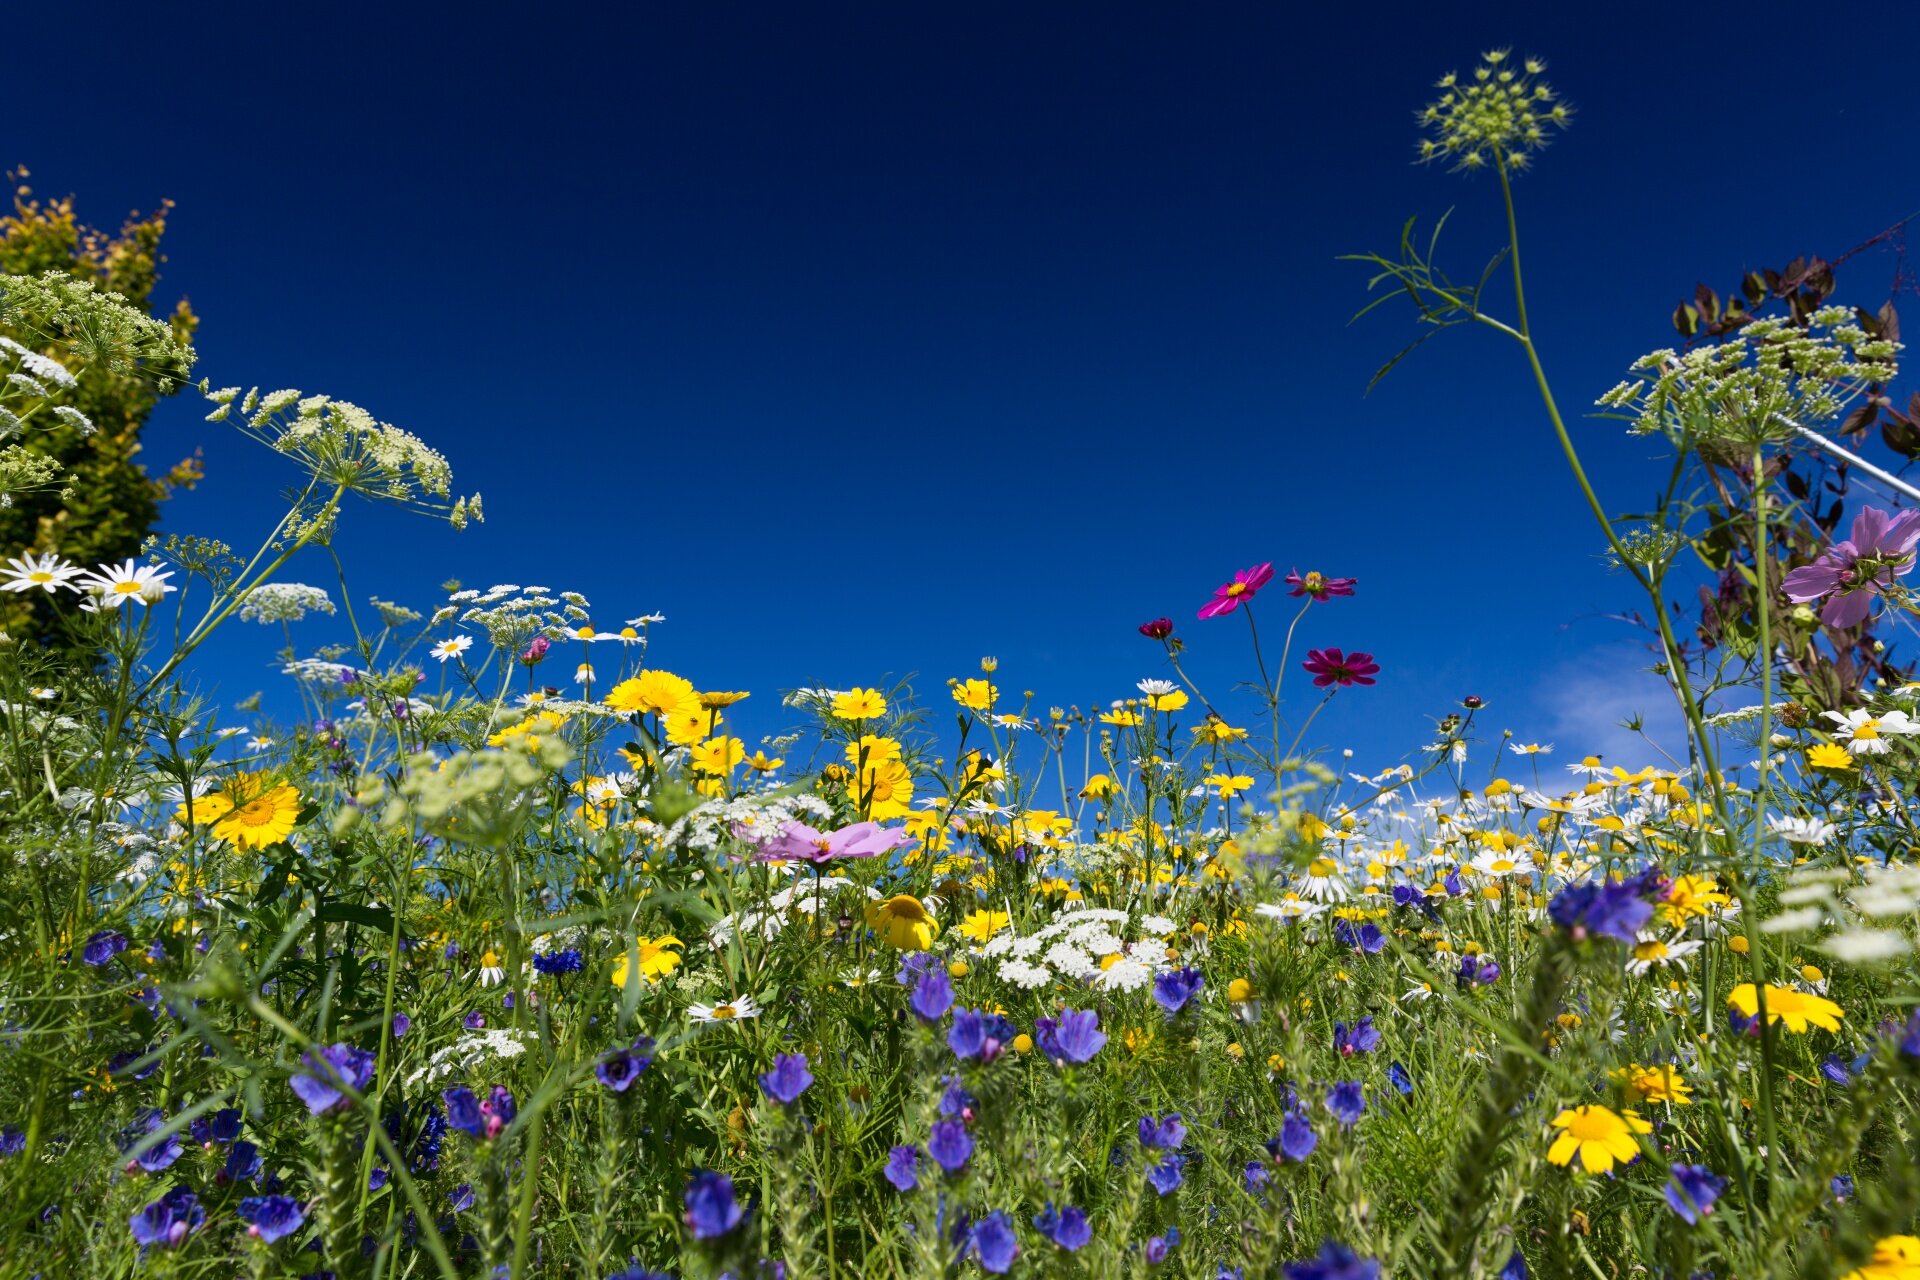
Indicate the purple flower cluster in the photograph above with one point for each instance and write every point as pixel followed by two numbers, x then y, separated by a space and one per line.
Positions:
pixel 1073 1037
pixel 619 1068
pixel 1616 909
pixel 320 1086
pixel 478 1118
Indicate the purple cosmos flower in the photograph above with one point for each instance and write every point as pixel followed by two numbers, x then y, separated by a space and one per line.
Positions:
pixel 789 1078
pixel 1691 1191
pixel 978 1034
pixel 1606 909
pixel 567 961
pixel 269 1218
pixel 103 946
pixel 1397 1077
pixel 1173 989
pixel 1066 1227
pixel 992 1241
pixel 1336 1262
pixel 1074 1036
pixel 1366 939
pixel 1318 585
pixel 1164 1177
pixel 1163 1134
pixel 1910 1042
pixel 1361 1037
pixel 1230 596
pixel 903 1168
pixel 329 1069
pixel 477 1118
pixel 1158 629
pixel 798 842
pixel 1853 572
pixel 916 964
pixel 711 1208
pixel 151 1154
pixel 1296 1141
pixel 1158 1247
pixel 621 1067
pixel 1347 1102
pixel 955 1102
pixel 932 996
pixel 169 1220
pixel 950 1145
pixel 243 1163
pixel 1333 667
pixel 1477 971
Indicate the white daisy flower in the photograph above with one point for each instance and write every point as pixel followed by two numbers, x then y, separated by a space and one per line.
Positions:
pixel 113 585
pixel 739 1007
pixel 451 648
pixel 48 572
pixel 1652 952
pixel 1802 830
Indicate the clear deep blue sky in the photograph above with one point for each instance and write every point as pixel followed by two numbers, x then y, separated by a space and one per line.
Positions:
pixel 870 338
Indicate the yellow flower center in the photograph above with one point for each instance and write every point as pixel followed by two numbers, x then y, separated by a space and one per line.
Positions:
pixel 256 813
pixel 126 588
pixel 1238 588
pixel 1866 730
pixel 722 1012
pixel 1589 1126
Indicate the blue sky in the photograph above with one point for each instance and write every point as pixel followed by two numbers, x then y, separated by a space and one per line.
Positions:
pixel 866 339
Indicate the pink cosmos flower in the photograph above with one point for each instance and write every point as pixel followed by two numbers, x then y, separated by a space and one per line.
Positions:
pixel 1330 666
pixel 1855 571
pixel 1158 629
pixel 1243 587
pixel 1318 585
pixel 799 842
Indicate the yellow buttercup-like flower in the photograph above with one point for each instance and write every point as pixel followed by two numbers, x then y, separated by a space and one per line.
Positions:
pixel 903 922
pixel 859 704
pixel 719 755
pixel 657 691
pixel 207 809
pixel 656 959
pixel 265 817
pixel 975 695
pixel 1797 1009
pixel 1827 755
pixel 1654 1084
pixel 1894 1258
pixel 982 925
pixel 1599 1136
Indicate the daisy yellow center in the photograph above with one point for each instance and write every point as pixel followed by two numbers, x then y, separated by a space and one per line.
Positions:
pixel 1593 1126
pixel 126 588
pixel 40 576
pixel 1866 730
pixel 1502 865
pixel 257 813
pixel 722 1012
pixel 1323 867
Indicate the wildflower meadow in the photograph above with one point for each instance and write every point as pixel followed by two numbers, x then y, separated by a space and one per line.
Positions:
pixel 507 956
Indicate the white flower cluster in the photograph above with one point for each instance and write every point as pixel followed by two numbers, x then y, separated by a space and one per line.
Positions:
pixel 284 602
pixel 746 818
pixel 468 1052
pixel 1086 945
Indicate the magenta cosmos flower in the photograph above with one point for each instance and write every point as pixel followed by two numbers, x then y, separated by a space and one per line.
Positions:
pixel 799 842
pixel 1318 585
pixel 1853 572
pixel 1244 586
pixel 1331 666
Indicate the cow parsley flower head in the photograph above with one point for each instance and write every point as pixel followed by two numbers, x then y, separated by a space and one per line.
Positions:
pixel 1500 114
pixel 284 602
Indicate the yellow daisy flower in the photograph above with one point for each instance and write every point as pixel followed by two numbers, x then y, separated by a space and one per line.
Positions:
pixel 1599 1136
